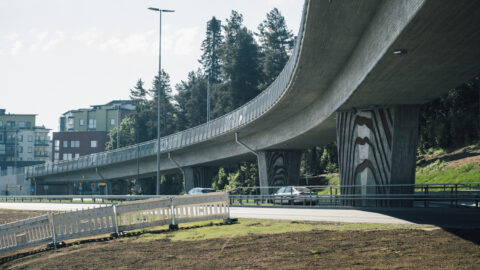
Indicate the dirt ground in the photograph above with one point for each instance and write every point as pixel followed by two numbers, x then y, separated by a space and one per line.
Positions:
pixel 7 215
pixel 318 249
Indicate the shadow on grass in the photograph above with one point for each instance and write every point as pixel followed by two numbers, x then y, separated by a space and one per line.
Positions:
pixel 462 222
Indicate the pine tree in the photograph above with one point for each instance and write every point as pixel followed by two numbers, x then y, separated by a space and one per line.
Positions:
pixel 191 100
pixel 138 93
pixel 211 45
pixel 167 110
pixel 276 42
pixel 240 69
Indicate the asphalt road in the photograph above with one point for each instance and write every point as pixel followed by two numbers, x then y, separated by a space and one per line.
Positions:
pixel 48 206
pixel 330 215
pixel 443 217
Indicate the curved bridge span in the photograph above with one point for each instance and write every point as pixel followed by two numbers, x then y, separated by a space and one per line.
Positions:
pixel 357 74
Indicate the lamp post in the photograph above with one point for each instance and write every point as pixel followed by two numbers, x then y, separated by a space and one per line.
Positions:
pixel 159 93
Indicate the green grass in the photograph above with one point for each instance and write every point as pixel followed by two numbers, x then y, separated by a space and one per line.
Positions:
pixel 434 173
pixel 467 173
pixel 245 227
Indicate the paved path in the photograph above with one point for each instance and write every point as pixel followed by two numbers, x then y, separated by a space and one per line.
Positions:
pixel 330 215
pixel 48 206
pixel 444 217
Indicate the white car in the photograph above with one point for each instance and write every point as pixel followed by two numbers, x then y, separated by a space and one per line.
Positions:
pixel 200 191
pixel 291 194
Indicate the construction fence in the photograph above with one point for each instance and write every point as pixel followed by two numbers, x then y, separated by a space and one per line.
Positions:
pixel 56 227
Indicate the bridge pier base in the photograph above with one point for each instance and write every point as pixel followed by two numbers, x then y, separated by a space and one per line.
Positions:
pixel 278 168
pixel 197 177
pixel 376 148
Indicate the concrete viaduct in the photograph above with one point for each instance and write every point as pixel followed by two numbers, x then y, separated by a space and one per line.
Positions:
pixel 358 73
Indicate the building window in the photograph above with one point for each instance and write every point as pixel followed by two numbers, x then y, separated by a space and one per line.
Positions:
pixel 92 123
pixel 21 124
pixel 19 149
pixel 81 122
pixel 30 138
pixel 28 125
pixel 56 156
pixel 10 124
pixel 57 145
pixel 1 123
pixel 65 144
pixel 77 155
pixel 112 122
pixel 20 138
pixel 29 149
pixel 67 156
pixel 1 137
pixel 70 121
pixel 75 144
pixel 93 144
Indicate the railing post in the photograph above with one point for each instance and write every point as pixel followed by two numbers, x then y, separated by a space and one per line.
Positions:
pixel 54 231
pixel 456 195
pixel 115 218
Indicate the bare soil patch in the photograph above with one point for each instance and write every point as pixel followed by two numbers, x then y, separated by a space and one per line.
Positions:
pixel 455 158
pixel 317 249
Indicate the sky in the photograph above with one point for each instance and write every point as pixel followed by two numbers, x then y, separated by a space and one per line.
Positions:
pixel 59 55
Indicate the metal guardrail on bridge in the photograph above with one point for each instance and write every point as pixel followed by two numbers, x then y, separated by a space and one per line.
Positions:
pixel 57 227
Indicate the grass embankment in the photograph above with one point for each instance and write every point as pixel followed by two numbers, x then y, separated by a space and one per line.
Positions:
pixel 260 244
pixel 211 229
pixel 440 166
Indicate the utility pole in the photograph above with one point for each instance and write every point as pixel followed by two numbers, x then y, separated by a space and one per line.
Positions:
pixel 159 93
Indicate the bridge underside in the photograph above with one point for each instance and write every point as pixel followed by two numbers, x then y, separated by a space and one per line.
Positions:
pixel 347 64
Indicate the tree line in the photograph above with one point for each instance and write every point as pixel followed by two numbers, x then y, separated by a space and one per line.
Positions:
pixel 236 64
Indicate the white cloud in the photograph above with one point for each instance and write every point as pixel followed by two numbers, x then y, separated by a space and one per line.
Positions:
pixel 182 42
pixel 52 43
pixel 88 37
pixel 134 43
pixel 16 47
pixel 38 40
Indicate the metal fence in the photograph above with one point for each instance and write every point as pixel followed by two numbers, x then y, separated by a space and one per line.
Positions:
pixel 57 227
pixel 413 195
pixel 227 123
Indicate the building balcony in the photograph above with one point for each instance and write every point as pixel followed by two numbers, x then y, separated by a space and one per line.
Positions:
pixel 44 143
pixel 42 154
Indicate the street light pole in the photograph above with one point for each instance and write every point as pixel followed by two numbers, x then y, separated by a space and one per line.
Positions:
pixel 159 93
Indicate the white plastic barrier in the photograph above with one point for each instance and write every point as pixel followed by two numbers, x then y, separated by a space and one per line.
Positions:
pixel 145 213
pixel 201 207
pixel 83 223
pixel 128 216
pixel 25 233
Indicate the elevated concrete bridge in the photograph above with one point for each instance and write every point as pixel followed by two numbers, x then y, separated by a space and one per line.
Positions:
pixel 358 73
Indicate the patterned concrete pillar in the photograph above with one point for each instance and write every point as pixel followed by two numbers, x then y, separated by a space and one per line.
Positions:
pixel 198 177
pixel 376 148
pixel 278 168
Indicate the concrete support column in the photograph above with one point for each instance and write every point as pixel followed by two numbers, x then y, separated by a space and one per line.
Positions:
pixel 278 168
pixel 197 177
pixel 377 146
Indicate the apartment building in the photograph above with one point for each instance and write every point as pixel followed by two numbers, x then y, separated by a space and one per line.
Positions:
pixel 21 142
pixel 85 131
